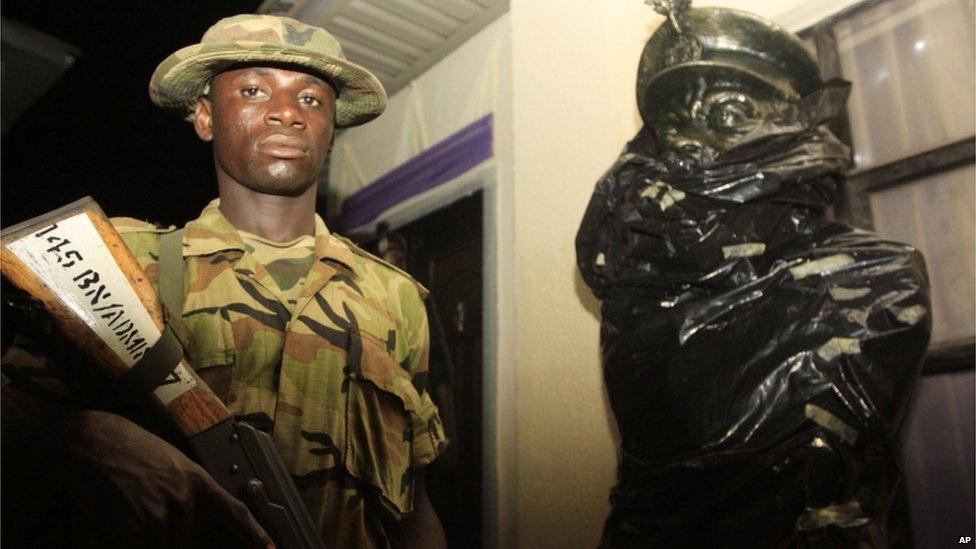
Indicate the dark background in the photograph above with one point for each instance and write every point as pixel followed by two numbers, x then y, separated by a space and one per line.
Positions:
pixel 95 131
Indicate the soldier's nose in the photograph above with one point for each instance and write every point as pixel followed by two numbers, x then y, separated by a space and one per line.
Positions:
pixel 285 113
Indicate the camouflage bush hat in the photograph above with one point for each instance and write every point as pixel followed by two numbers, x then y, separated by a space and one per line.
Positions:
pixel 184 76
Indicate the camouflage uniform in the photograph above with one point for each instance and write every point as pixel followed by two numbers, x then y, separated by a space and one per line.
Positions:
pixel 340 383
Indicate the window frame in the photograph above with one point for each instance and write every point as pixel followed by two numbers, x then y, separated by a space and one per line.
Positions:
pixel 853 205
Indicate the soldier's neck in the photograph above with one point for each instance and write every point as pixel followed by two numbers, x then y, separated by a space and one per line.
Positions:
pixel 274 217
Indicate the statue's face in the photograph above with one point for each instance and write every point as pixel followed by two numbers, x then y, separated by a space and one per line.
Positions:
pixel 704 117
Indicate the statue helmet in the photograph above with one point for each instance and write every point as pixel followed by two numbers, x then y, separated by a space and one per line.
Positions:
pixel 721 43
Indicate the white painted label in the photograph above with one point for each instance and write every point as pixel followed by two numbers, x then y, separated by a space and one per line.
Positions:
pixel 71 258
pixel 176 383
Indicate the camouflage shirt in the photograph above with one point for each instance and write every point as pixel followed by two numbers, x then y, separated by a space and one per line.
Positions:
pixel 339 382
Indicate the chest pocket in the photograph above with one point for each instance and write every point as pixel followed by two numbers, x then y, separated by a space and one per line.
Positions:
pixel 212 352
pixel 238 333
pixel 381 406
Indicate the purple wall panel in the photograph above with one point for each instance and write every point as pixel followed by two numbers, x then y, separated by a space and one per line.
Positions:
pixel 439 164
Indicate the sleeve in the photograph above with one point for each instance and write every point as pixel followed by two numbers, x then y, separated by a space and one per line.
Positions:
pixel 429 440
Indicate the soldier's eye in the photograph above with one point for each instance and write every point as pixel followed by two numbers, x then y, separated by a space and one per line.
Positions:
pixel 252 92
pixel 309 101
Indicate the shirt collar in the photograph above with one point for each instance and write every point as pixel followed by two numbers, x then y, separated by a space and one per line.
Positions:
pixel 328 246
pixel 212 232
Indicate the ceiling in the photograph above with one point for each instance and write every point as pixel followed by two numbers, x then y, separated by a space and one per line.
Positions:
pixel 396 40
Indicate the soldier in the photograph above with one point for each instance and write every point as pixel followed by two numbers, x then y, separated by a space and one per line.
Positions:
pixel 298 331
pixel 758 356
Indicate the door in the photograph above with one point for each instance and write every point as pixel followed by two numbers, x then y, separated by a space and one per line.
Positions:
pixel 443 250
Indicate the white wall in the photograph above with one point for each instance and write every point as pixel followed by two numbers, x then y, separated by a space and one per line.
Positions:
pixel 571 114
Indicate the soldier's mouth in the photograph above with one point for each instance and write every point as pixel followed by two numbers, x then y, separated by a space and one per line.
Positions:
pixel 283 146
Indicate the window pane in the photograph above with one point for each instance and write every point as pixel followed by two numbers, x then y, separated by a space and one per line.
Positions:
pixel 911 62
pixel 936 214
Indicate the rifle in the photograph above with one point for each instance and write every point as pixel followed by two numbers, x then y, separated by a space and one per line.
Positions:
pixel 74 262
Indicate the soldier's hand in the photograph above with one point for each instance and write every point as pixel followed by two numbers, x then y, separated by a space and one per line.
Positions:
pixel 130 488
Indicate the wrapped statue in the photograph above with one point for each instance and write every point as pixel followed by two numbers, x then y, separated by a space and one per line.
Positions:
pixel 758 356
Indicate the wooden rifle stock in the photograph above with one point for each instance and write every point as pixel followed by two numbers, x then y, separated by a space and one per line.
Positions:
pixel 192 412
pixel 74 261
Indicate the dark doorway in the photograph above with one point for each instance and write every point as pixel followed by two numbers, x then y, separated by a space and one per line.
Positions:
pixel 443 250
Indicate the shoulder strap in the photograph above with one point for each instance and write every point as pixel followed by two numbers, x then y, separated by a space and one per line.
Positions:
pixel 354 248
pixel 171 272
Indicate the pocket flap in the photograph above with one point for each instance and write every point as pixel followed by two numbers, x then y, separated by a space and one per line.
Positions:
pixel 379 368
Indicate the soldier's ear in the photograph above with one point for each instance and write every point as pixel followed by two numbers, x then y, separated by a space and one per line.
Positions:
pixel 203 119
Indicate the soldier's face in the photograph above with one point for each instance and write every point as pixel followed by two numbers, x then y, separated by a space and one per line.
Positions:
pixel 708 117
pixel 271 127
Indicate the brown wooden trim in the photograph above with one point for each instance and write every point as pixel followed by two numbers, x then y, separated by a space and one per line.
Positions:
pixel 852 204
pixel 830 67
pixel 953 357
pixel 902 171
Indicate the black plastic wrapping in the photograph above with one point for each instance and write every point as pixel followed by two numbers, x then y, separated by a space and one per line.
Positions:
pixel 758 357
